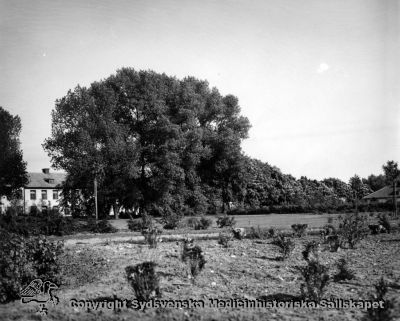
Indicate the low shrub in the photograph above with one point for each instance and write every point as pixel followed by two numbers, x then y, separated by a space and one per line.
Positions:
pixel 45 257
pixel 343 273
pixel 238 233
pixel 225 221
pixel 16 268
pixel 311 251
pixel 352 229
pixel 151 236
pixel 171 221
pixel 384 221
pixel 144 280
pixel 193 256
pixel 333 242
pixel 135 225
pixel 83 266
pixel 192 222
pixel 316 279
pixel 299 229
pixel 139 224
pixel 103 226
pixel 203 223
pixel 24 259
pixel 258 233
pixel 49 223
pixel 285 245
pixel 224 239
pixel 384 313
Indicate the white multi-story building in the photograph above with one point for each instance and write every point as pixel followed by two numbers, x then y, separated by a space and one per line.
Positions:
pixel 43 191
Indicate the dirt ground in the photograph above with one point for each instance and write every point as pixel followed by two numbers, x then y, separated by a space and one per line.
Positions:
pixel 248 269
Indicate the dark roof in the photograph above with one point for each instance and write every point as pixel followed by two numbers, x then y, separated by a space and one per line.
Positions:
pixel 384 192
pixel 41 180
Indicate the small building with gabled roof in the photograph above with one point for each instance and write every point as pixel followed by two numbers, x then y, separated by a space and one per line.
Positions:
pixel 383 195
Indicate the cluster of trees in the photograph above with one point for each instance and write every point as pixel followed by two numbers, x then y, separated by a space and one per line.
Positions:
pixel 13 173
pixel 166 146
pixel 152 142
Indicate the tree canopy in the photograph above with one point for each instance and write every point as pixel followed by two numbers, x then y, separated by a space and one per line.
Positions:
pixel 12 166
pixel 153 141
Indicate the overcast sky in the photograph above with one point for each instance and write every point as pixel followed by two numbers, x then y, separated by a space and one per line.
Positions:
pixel 318 79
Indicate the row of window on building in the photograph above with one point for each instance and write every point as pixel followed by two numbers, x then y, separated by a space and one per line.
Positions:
pixel 44 194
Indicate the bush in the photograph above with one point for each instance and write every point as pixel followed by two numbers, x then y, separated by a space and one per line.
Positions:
pixel 311 251
pixel 203 224
pixel 151 236
pixel 382 313
pixel 103 226
pixel 171 221
pixel 135 225
pixel 333 242
pixel 225 221
pixel 316 279
pixel 139 224
pixel 384 221
pixel 352 229
pixel 239 233
pixel 82 266
pixel 51 223
pixel 16 268
pixel 24 259
pixel 224 239
pixel 344 273
pixel 45 256
pixel 258 233
pixel 193 255
pixel 144 280
pixel 299 229
pixel 285 244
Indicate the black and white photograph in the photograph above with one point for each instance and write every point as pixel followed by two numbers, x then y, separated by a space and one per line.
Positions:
pixel 204 160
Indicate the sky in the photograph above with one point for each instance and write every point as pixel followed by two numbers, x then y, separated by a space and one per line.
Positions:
pixel 318 79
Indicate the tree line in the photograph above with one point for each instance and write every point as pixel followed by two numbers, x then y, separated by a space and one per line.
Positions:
pixel 165 146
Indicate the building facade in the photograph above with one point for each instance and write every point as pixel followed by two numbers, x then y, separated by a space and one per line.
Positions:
pixel 43 192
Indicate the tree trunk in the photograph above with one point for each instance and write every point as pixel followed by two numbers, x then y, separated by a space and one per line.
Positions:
pixel 116 211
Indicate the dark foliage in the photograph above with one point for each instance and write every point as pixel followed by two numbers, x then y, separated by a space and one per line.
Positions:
pixel 316 278
pixel 144 280
pixel 24 259
pixel 50 223
pixel 225 221
pixel 139 224
pixel 352 229
pixel 343 273
pixel 193 256
pixel 384 313
pixel 103 226
pixel 13 173
pixel 311 251
pixel 224 239
pixel 299 229
pixel 285 244
pixel 385 222
pixel 203 223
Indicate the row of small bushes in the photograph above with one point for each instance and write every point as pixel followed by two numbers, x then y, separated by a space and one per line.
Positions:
pixel 320 208
pixel 51 223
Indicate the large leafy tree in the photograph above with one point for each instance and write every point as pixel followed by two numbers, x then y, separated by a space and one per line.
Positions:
pixel 12 166
pixel 392 174
pixel 152 141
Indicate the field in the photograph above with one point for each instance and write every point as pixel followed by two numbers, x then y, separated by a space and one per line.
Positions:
pixel 247 269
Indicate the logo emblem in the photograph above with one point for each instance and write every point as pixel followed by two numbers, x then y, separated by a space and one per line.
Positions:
pixel 41 293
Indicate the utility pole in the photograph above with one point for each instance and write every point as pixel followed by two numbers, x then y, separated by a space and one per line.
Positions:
pixel 95 198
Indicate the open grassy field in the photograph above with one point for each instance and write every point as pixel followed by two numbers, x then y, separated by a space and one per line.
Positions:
pixel 268 220
pixel 248 269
